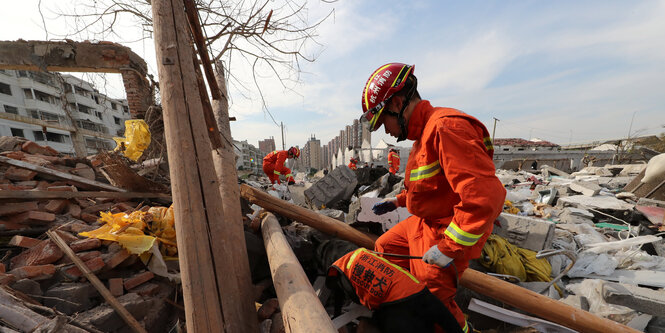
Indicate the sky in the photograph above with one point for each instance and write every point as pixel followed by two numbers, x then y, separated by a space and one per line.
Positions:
pixel 562 71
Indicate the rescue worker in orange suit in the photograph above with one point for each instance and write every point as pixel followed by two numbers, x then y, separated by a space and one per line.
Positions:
pixel 393 161
pixel 450 183
pixel 401 303
pixel 352 163
pixel 274 165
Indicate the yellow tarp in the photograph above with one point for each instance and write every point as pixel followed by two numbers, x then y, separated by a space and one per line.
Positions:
pixel 138 231
pixel 136 140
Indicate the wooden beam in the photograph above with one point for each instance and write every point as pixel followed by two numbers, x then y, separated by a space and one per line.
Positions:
pixel 76 180
pixel 210 286
pixel 211 124
pixel 115 304
pixel 199 40
pixel 39 195
pixel 510 294
pixel 320 222
pixel 301 309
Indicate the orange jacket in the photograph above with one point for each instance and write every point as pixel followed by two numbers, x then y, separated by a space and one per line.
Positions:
pixel 450 178
pixel 393 160
pixel 277 160
pixel 375 280
pixel 352 166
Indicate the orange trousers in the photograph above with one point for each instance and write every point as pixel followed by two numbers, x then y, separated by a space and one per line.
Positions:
pixel 414 236
pixel 392 170
pixel 269 170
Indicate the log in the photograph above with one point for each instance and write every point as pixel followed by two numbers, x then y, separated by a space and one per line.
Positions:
pixel 484 284
pixel 76 180
pixel 99 285
pixel 39 195
pixel 211 291
pixel 320 222
pixel 301 309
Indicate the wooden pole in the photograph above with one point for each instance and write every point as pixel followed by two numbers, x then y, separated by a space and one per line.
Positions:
pixel 301 309
pixel 209 281
pixel 521 298
pixel 115 304
pixel 320 222
pixel 32 194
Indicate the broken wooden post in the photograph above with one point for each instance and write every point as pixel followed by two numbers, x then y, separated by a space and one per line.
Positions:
pixel 212 294
pixel 320 222
pixel 124 314
pixel 484 284
pixel 301 309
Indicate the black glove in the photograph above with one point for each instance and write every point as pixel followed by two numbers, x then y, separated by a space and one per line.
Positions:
pixel 387 205
pixel 291 182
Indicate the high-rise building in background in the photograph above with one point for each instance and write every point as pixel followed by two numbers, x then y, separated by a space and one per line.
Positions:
pixel 313 149
pixel 267 145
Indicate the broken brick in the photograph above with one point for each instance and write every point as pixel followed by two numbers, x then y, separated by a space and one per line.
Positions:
pixel 138 279
pixel 74 210
pixel 6 225
pixel 62 188
pixel 2 268
pixel 147 289
pixel 116 287
pixel 56 206
pixel 94 265
pixel 18 207
pixel 33 148
pixel 99 207
pixel 66 236
pixel 85 244
pixel 6 279
pixel 16 155
pixel 37 272
pixel 117 258
pixel 84 256
pixel 32 217
pixel 29 183
pixel 12 187
pixel 89 217
pixel 46 252
pixel 42 185
pixel 124 206
pixel 24 241
pixel 19 174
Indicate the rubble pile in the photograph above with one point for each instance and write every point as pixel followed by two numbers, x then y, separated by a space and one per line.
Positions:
pixel 41 284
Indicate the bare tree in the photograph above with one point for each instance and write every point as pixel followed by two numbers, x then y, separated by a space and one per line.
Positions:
pixel 270 38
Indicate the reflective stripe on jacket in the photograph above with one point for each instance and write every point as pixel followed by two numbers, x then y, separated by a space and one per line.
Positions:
pixel 277 159
pixel 450 178
pixel 375 280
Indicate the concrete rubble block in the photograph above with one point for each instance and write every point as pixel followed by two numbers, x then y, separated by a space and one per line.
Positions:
pixel 46 252
pixel 587 188
pixel 548 170
pixel 106 319
pixel 337 185
pixel 334 213
pixel 28 287
pixel 596 202
pixel 637 298
pixel 69 298
pixel 576 215
pixel 526 232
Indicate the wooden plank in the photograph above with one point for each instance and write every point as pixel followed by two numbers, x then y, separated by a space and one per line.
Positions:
pixel 124 314
pixel 76 180
pixel 199 40
pixel 38 195
pixel 210 289
pixel 301 309
pixel 211 124
pixel 513 295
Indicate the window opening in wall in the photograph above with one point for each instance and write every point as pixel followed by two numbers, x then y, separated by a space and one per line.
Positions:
pixel 5 89
pixel 44 97
pixel 52 137
pixel 27 93
pixel 99 115
pixel 17 132
pixel 114 106
pixel 125 108
pixel 68 88
pixel 11 109
pixel 116 120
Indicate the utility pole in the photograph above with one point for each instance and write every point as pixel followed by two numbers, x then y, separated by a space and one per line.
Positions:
pixel 494 129
pixel 282 127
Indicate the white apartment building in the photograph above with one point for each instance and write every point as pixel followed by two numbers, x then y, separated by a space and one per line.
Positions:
pixel 248 157
pixel 61 111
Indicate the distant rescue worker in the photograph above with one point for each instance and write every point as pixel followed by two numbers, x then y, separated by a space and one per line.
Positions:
pixel 274 165
pixel 401 303
pixel 450 183
pixel 352 163
pixel 393 160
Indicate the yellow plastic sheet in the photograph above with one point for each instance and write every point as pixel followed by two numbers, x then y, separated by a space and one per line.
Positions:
pixel 136 140
pixel 138 231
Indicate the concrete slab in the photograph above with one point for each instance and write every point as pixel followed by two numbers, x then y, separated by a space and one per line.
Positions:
pixel 526 232
pixel 596 202
pixel 586 188
pixel 637 298
pixel 337 185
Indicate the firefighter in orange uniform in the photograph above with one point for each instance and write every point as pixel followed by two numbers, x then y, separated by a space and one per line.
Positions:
pixel 352 163
pixel 401 302
pixel 450 183
pixel 274 165
pixel 393 161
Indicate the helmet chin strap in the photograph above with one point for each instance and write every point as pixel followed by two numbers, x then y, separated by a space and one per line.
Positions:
pixel 404 132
